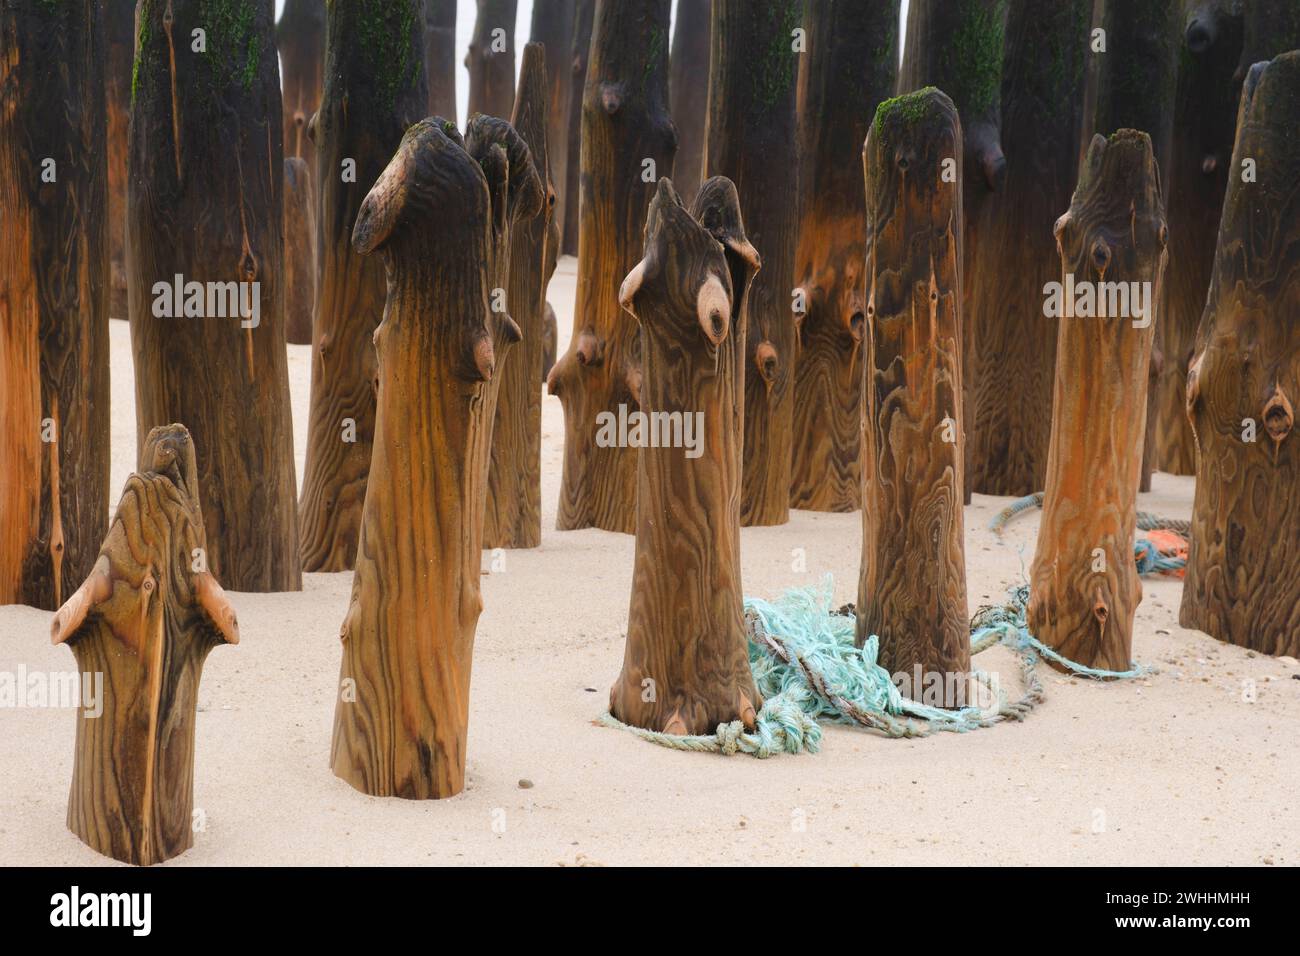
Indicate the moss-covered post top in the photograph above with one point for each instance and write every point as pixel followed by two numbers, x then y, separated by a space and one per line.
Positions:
pixel 918 130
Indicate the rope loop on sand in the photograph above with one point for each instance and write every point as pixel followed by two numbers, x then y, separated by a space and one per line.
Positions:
pixel 805 665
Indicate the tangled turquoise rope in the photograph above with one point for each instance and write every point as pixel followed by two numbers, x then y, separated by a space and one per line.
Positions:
pixel 1148 558
pixel 807 668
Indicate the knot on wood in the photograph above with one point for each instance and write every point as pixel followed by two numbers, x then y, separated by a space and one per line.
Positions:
pixel 1278 415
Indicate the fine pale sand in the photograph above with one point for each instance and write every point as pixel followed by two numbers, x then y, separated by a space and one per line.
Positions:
pixel 1186 767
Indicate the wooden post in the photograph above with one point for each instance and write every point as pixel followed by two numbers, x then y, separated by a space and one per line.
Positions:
pixel 440 218
pixel 957 48
pixel 300 40
pixel 140 627
pixel 440 56
pixel 751 141
pixel 299 251
pixel 491 59
pixel 688 88
pixel 580 53
pixel 627 143
pixel 54 293
pixel 849 67
pixel 1243 573
pixel 373 92
pixel 1013 347
pixel 686 663
pixel 552 26
pixel 912 586
pixel 1084 586
pixel 120 25
pixel 514 500
pixel 1135 89
pixel 205 220
pixel 550 335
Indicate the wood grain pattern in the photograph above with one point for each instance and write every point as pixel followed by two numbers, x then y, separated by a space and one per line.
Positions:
pixel 686 663
pixel 514 499
pixel 1013 346
pixel 492 71
pixel 1084 586
pixel 205 201
pixel 373 92
pixel 850 68
pixel 552 26
pixel 688 92
pixel 440 216
pixel 299 251
pixel 912 584
pixel 957 47
pixel 120 33
pixel 300 41
pixel 1243 572
pixel 54 295
pixel 144 620
pixel 751 141
pixel 580 53
pixel 440 56
pixel 624 123
pixel 1136 86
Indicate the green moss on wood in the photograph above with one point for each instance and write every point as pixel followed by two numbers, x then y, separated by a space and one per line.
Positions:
pixel 972 62
pixel 908 109
pixel 387 28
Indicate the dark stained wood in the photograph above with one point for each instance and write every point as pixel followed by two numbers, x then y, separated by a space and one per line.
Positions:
pixel 912 584
pixel 849 68
pixel 54 297
pixel 373 92
pixel 514 499
pixel 440 217
pixel 579 54
pixel 685 663
pixel 1013 345
pixel 300 40
pixel 144 621
pixel 205 201
pixel 1243 572
pixel 552 26
pixel 688 90
pixel 440 56
pixel 624 124
pixel 957 47
pixel 751 141
pixel 491 59
pixel 119 21
pixel 299 251
pixel 1084 586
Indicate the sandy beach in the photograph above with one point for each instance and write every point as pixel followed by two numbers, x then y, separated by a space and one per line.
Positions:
pixel 1196 764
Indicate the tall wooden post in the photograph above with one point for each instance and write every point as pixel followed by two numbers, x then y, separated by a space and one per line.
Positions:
pixel 514 500
pixel 849 67
pixel 440 216
pixel 299 251
pixel 300 40
pixel 1243 573
pixel 957 48
pixel 685 663
pixel 491 59
pixel 374 90
pixel 1013 346
pixel 440 56
pixel 209 344
pixel 912 586
pixel 54 294
pixel 688 91
pixel 1084 586
pixel 628 143
pixel 141 626
pixel 552 27
pixel 119 21
pixel 751 141
pixel 580 52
